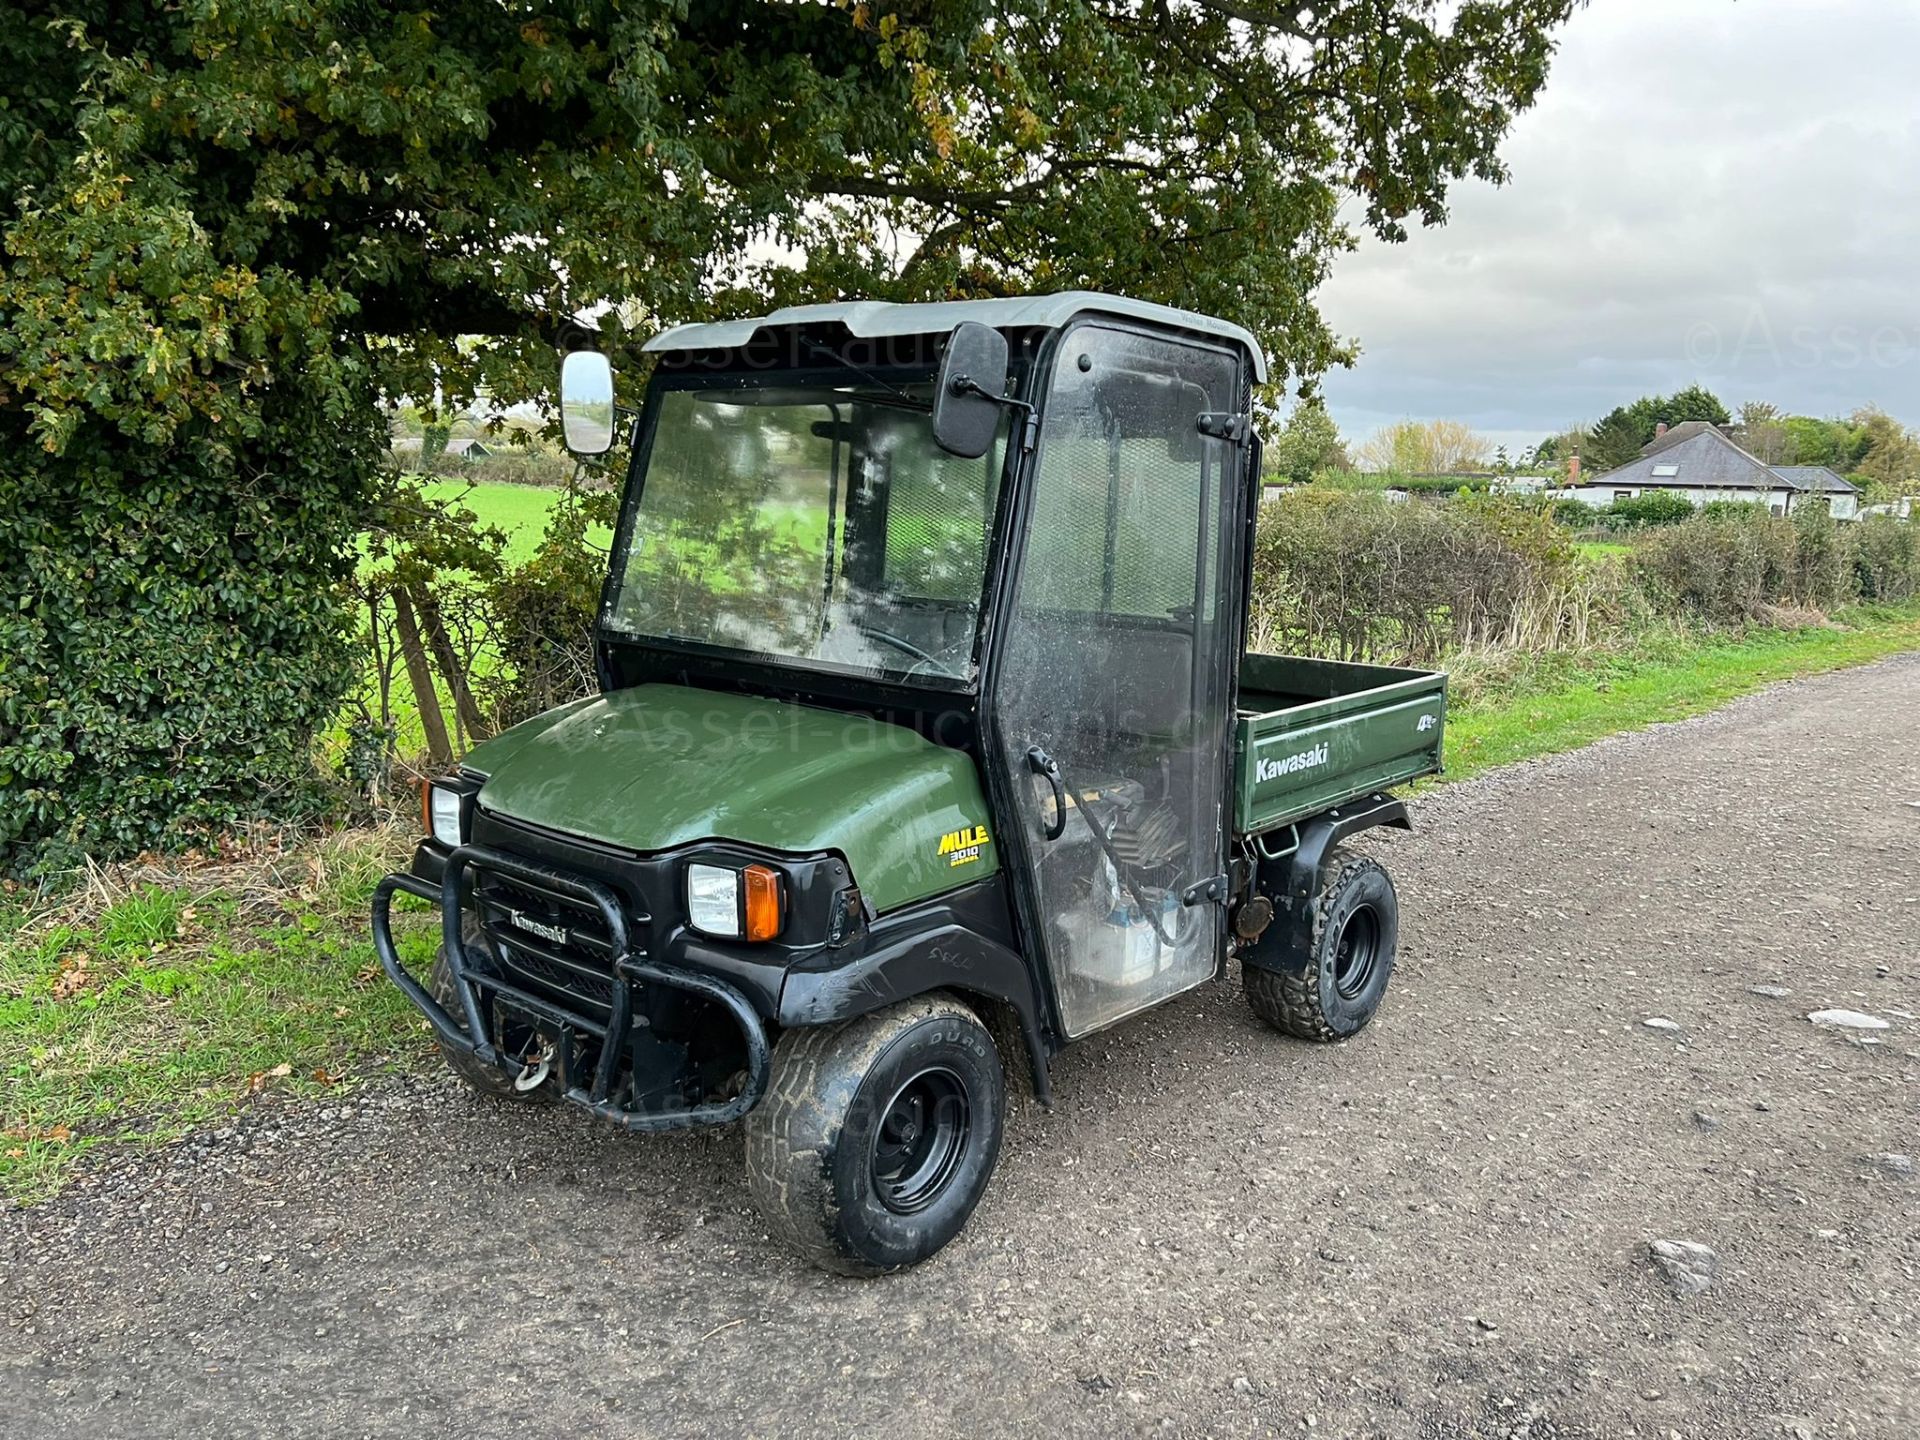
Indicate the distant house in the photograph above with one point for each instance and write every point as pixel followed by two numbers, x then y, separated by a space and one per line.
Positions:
pixel 1697 460
pixel 456 449
pixel 1521 485
pixel 1812 483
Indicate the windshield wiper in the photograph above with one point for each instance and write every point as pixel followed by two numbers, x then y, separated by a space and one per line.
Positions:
pixel 901 397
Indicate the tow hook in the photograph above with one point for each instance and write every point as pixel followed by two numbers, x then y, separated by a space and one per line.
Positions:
pixel 534 1072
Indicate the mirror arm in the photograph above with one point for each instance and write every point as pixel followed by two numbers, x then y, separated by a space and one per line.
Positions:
pixel 1030 431
pixel 967 385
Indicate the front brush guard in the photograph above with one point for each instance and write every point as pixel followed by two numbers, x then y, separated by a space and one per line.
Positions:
pixel 473 986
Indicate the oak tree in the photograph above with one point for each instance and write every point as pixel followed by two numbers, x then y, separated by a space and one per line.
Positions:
pixel 233 228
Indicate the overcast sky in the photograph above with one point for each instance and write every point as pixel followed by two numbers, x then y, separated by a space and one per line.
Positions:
pixel 1717 190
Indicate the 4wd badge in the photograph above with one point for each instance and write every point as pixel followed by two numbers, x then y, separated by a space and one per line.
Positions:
pixel 962 847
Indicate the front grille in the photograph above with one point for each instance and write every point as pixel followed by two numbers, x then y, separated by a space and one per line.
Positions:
pixel 591 991
pixel 554 943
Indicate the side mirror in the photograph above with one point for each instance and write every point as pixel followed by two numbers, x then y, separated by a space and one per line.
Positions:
pixel 586 402
pixel 968 390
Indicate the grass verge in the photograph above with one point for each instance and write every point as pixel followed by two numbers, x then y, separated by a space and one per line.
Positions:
pixel 1566 701
pixel 143 1007
pixel 163 998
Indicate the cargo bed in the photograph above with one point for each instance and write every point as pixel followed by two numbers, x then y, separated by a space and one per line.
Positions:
pixel 1315 733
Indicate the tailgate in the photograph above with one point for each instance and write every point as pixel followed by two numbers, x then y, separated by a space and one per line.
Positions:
pixel 1316 733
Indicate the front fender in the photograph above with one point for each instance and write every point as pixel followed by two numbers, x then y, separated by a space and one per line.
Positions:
pixel 934 949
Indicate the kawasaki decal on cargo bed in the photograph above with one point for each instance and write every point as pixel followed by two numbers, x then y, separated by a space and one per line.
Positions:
pixel 1265 769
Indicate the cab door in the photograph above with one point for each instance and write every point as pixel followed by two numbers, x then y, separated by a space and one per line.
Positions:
pixel 1111 681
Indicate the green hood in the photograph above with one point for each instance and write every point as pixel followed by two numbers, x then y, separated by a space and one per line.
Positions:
pixel 660 766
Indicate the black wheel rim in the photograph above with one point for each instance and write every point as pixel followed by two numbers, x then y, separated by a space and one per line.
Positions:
pixel 1357 954
pixel 921 1137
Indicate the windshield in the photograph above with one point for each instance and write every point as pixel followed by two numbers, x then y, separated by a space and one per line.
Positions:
pixel 816 523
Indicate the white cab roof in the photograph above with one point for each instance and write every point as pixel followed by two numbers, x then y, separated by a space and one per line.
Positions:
pixel 870 319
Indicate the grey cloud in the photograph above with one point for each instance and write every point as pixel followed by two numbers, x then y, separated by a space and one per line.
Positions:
pixel 1710 191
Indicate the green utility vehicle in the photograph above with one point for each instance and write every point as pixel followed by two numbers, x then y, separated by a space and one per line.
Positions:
pixel 925 741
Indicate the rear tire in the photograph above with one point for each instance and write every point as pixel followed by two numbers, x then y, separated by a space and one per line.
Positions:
pixel 877 1138
pixel 485 1078
pixel 1339 982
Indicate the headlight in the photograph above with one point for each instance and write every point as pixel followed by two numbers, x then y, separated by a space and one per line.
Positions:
pixel 732 904
pixel 442 817
pixel 713 900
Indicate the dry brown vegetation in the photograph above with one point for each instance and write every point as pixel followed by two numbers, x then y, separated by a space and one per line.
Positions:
pixel 1352 576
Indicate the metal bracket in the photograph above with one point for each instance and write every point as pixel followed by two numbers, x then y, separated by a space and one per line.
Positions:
pixel 1212 890
pixel 1228 425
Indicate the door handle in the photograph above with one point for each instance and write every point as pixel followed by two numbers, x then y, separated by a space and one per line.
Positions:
pixel 1042 763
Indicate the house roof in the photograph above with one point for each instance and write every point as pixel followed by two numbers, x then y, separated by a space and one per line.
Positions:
pixel 407 444
pixel 1704 459
pixel 871 319
pixel 1685 430
pixel 1816 477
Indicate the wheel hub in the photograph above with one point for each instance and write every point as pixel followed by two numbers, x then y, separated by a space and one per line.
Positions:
pixel 1357 954
pixel 920 1140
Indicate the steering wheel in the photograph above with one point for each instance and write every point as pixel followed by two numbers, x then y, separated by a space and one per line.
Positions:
pixel 922 661
pixel 905 647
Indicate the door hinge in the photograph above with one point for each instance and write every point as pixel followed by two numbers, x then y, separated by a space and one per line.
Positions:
pixel 1211 891
pixel 1227 425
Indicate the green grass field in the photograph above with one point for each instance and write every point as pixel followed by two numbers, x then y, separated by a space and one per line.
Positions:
pixel 520 510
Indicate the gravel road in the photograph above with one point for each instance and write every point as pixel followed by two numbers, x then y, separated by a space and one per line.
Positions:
pixel 1439 1229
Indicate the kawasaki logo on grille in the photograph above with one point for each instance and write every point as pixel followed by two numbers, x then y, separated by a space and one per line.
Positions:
pixel 556 933
pixel 1265 769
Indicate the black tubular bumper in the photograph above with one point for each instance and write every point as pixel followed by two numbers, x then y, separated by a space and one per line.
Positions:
pixel 476 987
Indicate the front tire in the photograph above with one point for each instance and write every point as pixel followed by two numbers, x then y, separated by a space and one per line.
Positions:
pixel 1338 983
pixel 877 1138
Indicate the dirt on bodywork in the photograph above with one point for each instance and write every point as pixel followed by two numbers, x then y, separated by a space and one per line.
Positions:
pixel 1445 1227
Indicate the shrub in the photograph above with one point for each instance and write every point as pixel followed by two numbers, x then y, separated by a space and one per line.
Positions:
pixel 472 645
pixel 1351 575
pixel 544 614
pixel 511 465
pixel 173 627
pixel 1734 566
pixel 425 622
pixel 1574 514
pixel 1822 560
pixel 1886 558
pixel 1725 569
pixel 1656 507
